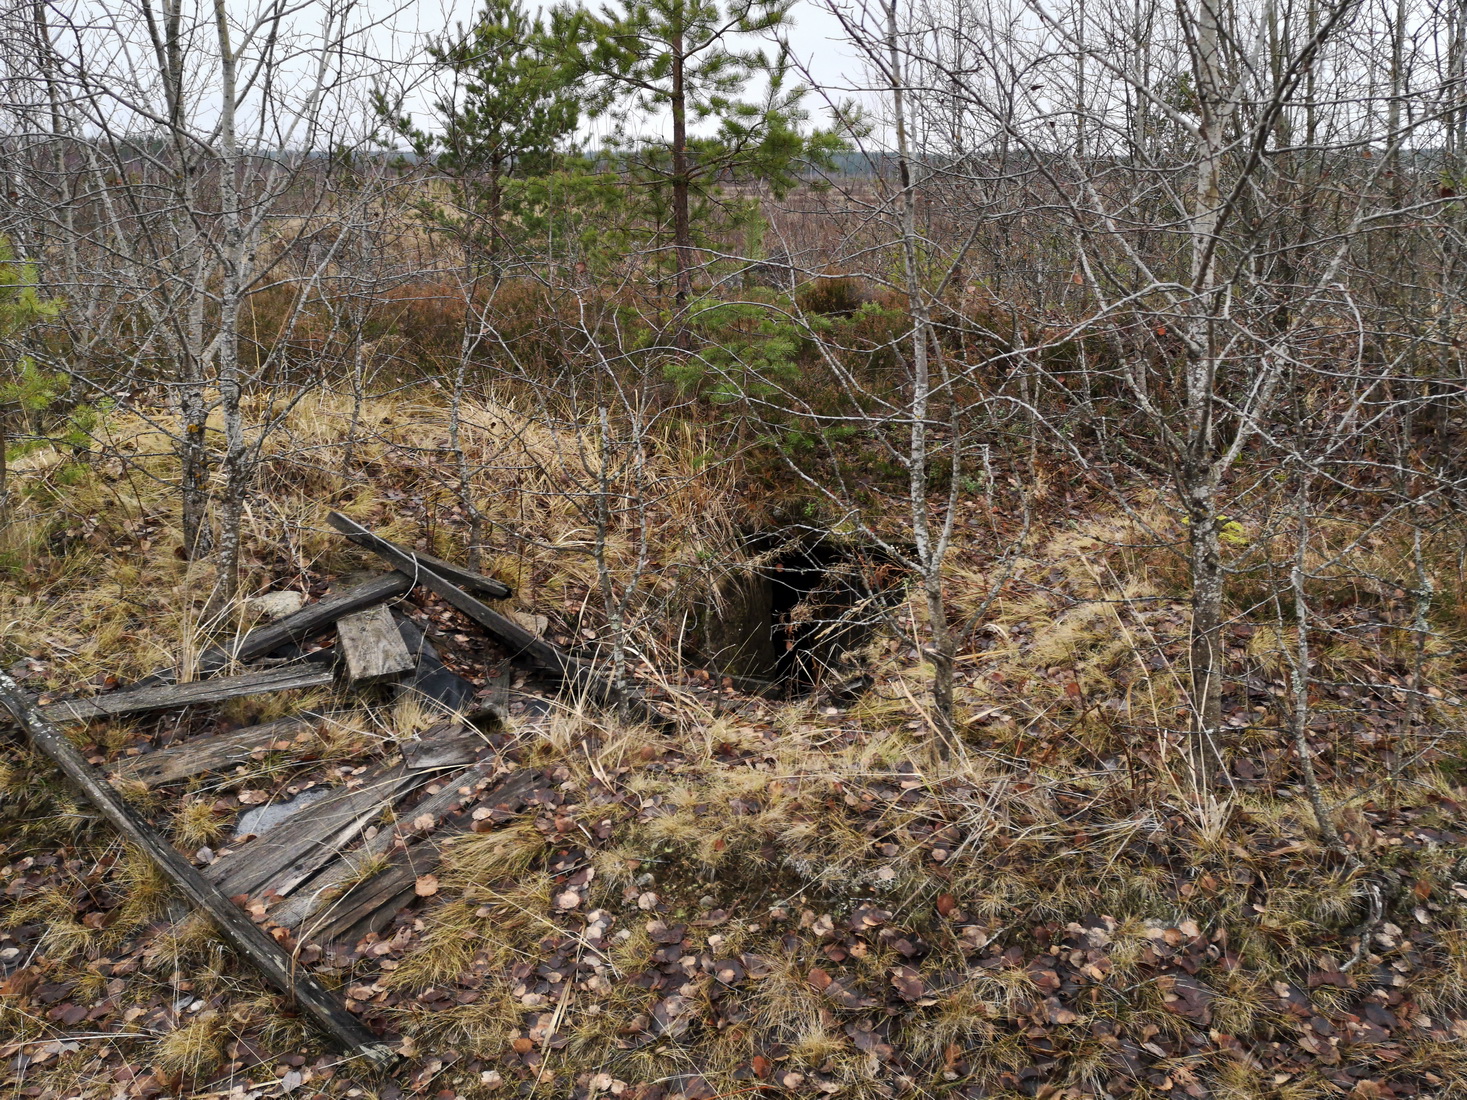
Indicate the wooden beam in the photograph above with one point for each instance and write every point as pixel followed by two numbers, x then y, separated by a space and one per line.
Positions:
pixel 370 904
pixel 521 643
pixel 476 583
pixel 237 929
pixel 462 789
pixel 164 696
pixel 372 646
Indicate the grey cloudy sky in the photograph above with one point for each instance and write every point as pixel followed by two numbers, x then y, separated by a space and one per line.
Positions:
pixel 814 36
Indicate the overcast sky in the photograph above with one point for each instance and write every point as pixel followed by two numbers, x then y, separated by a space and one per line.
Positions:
pixel 814 36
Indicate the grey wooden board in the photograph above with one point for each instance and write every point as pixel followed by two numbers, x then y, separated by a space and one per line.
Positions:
pixel 432 683
pixel 312 899
pixel 289 854
pixel 372 645
pixel 165 696
pixel 214 752
pixel 445 745
pixel 308 621
pixel 369 906
pixel 504 630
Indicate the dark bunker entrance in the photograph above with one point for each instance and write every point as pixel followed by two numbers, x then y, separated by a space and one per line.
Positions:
pixel 792 618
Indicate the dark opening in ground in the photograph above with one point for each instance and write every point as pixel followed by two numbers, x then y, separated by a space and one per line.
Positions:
pixel 793 619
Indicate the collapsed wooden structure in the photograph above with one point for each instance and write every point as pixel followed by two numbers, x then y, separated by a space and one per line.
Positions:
pixel 331 874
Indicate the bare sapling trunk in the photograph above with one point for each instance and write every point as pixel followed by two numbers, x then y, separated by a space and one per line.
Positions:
pixel 473 336
pixel 1206 650
pixel 931 547
pixel 1197 468
pixel 193 455
pixel 615 606
pixel 188 336
pixel 238 470
pixel 1299 679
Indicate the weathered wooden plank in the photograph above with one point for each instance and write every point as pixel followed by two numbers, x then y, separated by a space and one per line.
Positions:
pixel 237 929
pixel 372 646
pixel 214 752
pixel 521 643
pixel 293 851
pixel 460 789
pixel 369 906
pixel 166 696
pixel 476 583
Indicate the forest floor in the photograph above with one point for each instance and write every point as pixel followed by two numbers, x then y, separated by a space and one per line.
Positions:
pixel 782 897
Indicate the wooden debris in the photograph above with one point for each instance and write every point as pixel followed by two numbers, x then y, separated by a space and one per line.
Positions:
pixel 236 928
pixel 521 643
pixel 476 583
pixel 372 646
pixel 215 752
pixel 457 791
pixel 432 683
pixel 165 696
pixel 308 621
pixel 293 851
pixel 369 906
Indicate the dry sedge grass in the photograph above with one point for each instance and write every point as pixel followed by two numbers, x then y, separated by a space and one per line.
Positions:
pixel 94 548
pixel 786 819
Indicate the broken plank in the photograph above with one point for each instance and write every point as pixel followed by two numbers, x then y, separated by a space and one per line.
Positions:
pixel 455 792
pixel 215 752
pixel 372 646
pixel 280 860
pixel 469 581
pixel 520 642
pixel 369 905
pixel 166 696
pixel 242 934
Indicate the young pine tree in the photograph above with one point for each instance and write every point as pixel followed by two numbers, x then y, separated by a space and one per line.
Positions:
pixel 511 102
pixel 692 62
pixel 24 387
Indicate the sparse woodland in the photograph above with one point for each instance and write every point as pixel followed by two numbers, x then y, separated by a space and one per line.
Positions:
pixel 1024 484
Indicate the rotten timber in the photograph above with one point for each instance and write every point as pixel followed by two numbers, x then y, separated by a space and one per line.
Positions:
pixel 522 643
pixel 236 928
pixel 215 752
pixel 166 696
pixel 370 905
pixel 348 868
pixel 295 627
pixel 308 621
pixel 302 844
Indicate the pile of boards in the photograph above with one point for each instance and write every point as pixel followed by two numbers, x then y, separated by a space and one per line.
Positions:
pixel 329 872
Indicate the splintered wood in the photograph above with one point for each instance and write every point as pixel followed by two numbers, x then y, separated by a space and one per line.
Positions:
pixel 372 646
pixel 217 753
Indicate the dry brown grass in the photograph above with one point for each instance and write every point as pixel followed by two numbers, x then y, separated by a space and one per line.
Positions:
pixel 785 818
